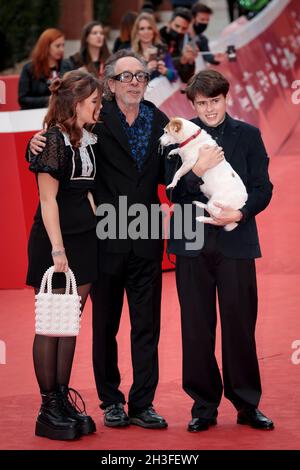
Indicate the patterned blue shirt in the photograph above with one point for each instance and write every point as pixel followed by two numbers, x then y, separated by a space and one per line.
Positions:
pixel 139 133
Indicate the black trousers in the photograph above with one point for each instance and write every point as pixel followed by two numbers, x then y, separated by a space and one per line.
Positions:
pixel 141 279
pixel 234 280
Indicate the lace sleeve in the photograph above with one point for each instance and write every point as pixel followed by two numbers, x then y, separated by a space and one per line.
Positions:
pixel 52 159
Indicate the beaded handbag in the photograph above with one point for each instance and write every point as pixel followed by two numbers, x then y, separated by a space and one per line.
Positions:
pixel 57 314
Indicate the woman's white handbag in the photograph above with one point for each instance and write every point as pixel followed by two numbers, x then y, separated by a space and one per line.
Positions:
pixel 57 314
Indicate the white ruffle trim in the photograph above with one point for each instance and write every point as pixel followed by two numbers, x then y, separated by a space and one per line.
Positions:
pixel 88 138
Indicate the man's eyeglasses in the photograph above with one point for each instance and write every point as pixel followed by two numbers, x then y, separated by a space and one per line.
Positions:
pixel 127 77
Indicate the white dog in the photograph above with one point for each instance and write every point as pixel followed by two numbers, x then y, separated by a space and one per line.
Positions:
pixel 221 183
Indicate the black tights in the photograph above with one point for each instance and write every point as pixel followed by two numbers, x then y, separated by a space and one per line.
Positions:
pixel 53 356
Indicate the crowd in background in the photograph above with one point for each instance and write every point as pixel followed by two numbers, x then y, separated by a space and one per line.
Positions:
pixel 171 51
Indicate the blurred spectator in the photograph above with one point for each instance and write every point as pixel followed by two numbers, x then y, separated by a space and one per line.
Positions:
pixel 45 65
pixel 145 40
pixel 151 6
pixel 201 16
pixel 182 3
pixel 156 4
pixel 124 40
pixel 175 36
pixel 93 51
pixel 148 7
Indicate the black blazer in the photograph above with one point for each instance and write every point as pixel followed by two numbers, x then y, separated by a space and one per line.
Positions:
pixel 117 175
pixel 245 151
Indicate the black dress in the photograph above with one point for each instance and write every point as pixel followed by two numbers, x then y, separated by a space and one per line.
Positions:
pixel 75 170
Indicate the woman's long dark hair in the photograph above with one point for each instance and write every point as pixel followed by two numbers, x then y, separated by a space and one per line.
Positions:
pixel 84 52
pixel 74 87
pixel 126 25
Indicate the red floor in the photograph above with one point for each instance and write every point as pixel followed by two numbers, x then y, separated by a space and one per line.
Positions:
pixel 278 326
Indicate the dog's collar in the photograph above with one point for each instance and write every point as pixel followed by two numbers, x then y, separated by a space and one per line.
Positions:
pixel 190 138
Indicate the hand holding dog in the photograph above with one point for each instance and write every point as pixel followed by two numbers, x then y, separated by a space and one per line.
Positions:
pixel 208 157
pixel 227 215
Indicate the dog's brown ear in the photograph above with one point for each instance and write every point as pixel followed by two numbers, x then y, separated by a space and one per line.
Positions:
pixel 175 124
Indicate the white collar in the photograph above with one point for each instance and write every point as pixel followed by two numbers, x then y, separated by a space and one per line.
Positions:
pixel 88 138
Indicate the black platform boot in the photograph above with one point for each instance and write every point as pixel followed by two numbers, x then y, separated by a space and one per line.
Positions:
pixel 70 407
pixel 53 422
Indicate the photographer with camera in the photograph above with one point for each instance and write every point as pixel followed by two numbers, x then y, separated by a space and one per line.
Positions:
pixel 145 40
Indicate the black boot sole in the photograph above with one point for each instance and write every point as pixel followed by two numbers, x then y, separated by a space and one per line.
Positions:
pixel 44 430
pixel 87 428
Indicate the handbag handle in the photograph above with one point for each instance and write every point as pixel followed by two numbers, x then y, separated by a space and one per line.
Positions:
pixel 47 281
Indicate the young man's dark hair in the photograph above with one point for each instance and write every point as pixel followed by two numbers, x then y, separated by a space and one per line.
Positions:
pixel 183 13
pixel 200 8
pixel 208 83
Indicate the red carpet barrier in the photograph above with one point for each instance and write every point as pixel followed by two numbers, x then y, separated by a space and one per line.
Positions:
pixel 10 83
pixel 13 232
pixel 18 194
pixel 268 63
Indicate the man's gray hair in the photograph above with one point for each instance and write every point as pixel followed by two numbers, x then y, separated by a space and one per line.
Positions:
pixel 110 65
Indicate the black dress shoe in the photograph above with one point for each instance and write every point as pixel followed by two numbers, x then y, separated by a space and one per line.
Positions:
pixel 201 424
pixel 115 416
pixel 148 418
pixel 254 418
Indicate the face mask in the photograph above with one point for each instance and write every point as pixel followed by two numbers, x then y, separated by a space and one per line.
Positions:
pixel 200 27
pixel 175 36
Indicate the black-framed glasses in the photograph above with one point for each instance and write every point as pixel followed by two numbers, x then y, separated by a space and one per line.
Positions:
pixel 127 77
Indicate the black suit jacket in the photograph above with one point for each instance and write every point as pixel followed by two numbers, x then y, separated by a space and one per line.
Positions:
pixel 245 151
pixel 117 175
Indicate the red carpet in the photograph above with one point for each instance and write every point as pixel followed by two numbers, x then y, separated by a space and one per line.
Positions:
pixel 278 326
